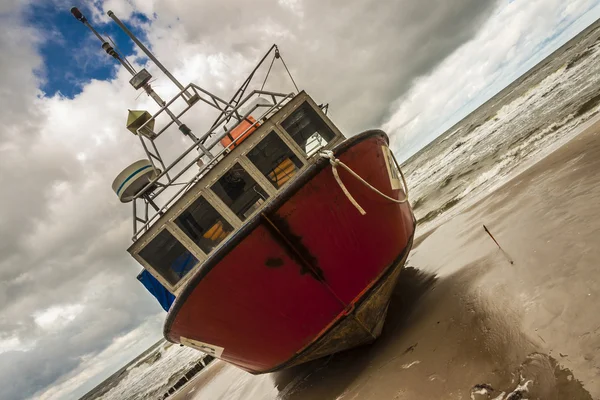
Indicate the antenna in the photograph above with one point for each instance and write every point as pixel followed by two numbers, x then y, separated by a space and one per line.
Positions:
pixel 105 45
pixel 141 79
pixel 147 52
pixel 117 49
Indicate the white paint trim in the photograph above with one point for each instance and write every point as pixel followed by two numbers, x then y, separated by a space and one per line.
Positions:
pixel 393 173
pixel 213 350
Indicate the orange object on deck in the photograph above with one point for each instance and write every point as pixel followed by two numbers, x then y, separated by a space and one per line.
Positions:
pixel 283 172
pixel 241 131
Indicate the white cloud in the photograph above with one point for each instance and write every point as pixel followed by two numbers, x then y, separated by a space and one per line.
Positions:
pixel 514 39
pixel 13 344
pixel 57 317
pixel 122 349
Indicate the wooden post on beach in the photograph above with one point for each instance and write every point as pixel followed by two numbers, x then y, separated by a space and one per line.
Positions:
pixel 498 244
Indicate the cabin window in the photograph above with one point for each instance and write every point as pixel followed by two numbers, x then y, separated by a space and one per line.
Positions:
pixel 275 160
pixel 308 129
pixel 203 224
pixel 168 257
pixel 239 191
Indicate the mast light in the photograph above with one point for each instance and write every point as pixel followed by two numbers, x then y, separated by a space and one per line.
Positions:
pixel 137 118
pixel 78 15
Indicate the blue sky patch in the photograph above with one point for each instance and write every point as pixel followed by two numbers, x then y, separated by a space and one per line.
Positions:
pixel 72 54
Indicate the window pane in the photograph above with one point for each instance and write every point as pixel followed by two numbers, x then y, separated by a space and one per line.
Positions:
pixel 275 160
pixel 203 224
pixel 168 257
pixel 239 191
pixel 307 129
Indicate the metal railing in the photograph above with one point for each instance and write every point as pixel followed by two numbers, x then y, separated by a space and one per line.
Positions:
pixel 172 175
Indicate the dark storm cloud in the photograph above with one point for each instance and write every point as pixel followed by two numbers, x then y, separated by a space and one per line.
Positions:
pixel 63 233
pixel 56 354
pixel 359 56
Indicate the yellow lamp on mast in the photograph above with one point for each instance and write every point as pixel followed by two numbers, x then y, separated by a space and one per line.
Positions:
pixel 137 118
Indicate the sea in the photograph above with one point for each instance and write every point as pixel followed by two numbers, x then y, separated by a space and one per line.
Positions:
pixel 150 376
pixel 535 115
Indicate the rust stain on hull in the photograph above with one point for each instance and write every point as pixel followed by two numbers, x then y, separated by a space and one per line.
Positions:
pixel 274 262
pixel 363 325
pixel 292 243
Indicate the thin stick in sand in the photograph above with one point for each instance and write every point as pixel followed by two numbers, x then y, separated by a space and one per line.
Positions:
pixel 498 244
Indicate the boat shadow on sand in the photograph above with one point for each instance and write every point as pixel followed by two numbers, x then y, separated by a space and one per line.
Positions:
pixel 443 336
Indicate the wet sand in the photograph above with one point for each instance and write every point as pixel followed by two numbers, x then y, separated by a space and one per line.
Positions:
pixel 463 322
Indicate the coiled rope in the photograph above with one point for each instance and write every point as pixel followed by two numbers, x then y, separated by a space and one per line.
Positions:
pixel 335 163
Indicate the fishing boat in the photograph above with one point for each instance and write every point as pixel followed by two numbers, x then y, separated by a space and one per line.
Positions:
pixel 271 238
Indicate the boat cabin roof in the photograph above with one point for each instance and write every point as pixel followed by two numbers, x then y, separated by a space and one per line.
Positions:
pixel 264 158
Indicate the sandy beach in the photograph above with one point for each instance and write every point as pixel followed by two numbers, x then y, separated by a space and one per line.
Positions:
pixel 465 323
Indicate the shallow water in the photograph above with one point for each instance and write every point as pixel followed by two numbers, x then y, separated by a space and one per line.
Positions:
pixel 526 121
pixel 150 376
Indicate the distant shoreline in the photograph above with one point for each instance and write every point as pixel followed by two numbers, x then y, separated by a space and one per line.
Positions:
pixel 495 102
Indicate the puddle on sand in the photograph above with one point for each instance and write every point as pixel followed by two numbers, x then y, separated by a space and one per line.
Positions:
pixel 540 377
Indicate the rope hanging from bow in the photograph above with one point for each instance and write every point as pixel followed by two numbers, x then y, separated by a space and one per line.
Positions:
pixel 335 163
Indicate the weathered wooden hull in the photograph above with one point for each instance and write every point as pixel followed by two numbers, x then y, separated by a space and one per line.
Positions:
pixel 308 277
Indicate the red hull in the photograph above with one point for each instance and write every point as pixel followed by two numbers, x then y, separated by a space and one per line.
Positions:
pixel 308 277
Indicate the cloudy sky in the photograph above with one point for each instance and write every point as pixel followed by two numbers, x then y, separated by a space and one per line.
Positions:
pixel 71 310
